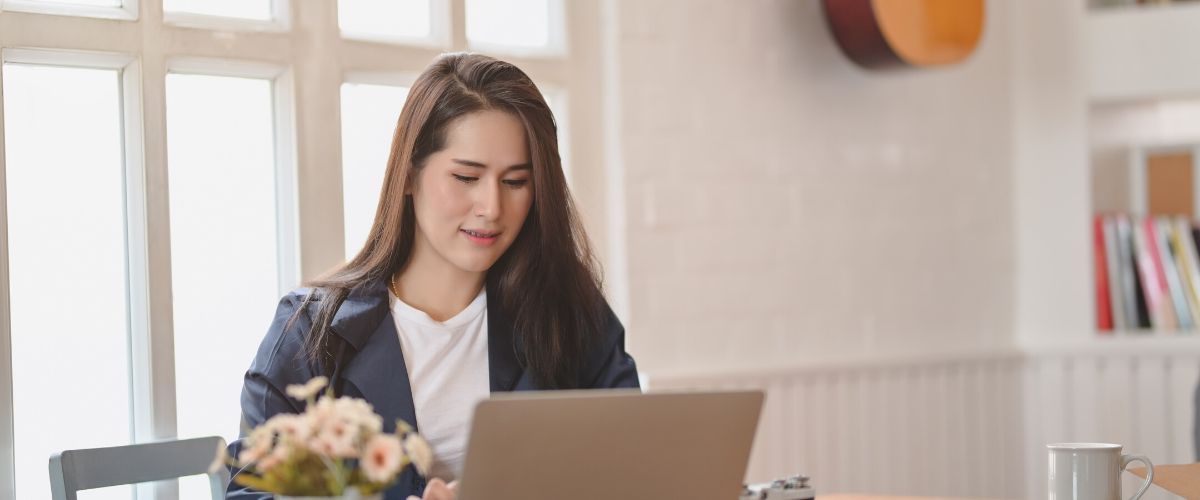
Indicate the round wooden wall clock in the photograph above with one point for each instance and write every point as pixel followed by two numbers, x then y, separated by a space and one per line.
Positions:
pixel 882 34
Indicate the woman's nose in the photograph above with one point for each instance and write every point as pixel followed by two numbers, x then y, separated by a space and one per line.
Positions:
pixel 487 205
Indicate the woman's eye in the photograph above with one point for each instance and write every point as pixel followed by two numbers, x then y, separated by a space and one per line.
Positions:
pixel 516 183
pixel 464 178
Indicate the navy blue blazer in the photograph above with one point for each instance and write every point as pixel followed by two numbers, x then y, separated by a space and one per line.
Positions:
pixel 373 368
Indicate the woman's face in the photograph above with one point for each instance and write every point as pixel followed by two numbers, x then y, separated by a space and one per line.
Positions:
pixel 471 198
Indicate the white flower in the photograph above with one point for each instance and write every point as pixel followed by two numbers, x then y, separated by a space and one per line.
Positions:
pixel 222 457
pixel 308 389
pixel 293 428
pixel 260 444
pixel 359 413
pixel 382 458
pixel 419 452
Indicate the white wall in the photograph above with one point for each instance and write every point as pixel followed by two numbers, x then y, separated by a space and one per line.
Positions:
pixel 787 212
pixel 784 205
pixel 1143 52
pixel 1052 188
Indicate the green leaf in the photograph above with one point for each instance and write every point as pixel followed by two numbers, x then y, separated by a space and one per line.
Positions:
pixel 254 482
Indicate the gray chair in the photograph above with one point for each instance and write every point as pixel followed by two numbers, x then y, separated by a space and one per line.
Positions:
pixel 74 470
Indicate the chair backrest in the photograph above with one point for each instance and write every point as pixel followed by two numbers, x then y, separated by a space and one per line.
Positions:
pixel 74 470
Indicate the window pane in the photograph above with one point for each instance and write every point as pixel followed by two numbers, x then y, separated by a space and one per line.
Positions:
pixel 515 23
pixel 246 9
pixel 224 248
pixel 98 3
pixel 122 492
pixel 66 242
pixel 385 18
pixel 369 114
pixel 194 488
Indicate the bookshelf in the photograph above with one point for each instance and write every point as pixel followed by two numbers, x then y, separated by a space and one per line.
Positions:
pixel 1143 105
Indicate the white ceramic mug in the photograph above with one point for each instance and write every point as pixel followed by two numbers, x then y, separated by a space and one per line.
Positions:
pixel 1091 471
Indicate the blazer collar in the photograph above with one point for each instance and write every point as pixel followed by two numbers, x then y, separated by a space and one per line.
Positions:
pixel 362 312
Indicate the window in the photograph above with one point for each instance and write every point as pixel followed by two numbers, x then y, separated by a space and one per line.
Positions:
pixel 369 114
pixel 96 3
pixel 67 266
pixel 244 9
pixel 224 243
pixel 114 9
pixel 520 26
pixel 388 20
pixel 160 193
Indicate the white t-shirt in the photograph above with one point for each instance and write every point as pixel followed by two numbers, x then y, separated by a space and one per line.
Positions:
pixel 447 366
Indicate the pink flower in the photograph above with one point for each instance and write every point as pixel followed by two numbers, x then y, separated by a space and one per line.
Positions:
pixel 382 458
pixel 336 438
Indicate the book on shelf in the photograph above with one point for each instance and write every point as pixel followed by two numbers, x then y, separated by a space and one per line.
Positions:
pixel 1106 241
pixel 1153 286
pixel 1170 273
pixel 1104 309
pixel 1147 273
pixel 1132 297
pixel 1189 262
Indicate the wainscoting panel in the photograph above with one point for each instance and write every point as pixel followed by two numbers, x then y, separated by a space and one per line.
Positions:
pixel 1136 392
pixel 967 426
pixel 941 427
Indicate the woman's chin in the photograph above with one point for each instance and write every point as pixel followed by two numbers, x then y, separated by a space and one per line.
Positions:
pixel 475 264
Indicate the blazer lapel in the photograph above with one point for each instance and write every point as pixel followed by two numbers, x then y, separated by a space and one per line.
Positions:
pixel 377 369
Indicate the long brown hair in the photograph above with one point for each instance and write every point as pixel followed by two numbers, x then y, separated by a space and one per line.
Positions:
pixel 546 282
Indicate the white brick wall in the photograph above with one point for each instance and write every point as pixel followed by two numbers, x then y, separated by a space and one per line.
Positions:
pixel 783 203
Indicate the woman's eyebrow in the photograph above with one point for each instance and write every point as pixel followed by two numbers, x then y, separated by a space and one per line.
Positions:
pixel 475 164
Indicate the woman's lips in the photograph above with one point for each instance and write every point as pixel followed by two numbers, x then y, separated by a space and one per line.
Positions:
pixel 482 238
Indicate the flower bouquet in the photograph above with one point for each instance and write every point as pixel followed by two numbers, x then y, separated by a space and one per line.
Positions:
pixel 336 448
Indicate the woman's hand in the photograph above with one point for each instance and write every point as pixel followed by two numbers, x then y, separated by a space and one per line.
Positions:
pixel 438 490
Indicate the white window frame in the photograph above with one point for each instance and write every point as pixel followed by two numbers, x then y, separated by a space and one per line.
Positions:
pixel 305 55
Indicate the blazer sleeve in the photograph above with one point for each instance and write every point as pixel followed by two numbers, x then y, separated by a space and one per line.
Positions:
pixel 278 363
pixel 610 366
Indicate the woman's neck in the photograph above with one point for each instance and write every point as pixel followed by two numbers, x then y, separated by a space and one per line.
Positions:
pixel 435 286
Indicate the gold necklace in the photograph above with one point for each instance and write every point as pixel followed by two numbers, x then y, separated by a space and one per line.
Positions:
pixel 392 287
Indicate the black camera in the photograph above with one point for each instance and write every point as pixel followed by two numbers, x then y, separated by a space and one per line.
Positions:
pixel 792 488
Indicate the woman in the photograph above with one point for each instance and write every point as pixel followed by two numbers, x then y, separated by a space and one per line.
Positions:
pixel 476 276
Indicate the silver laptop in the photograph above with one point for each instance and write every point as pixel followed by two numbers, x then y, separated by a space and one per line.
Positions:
pixel 610 444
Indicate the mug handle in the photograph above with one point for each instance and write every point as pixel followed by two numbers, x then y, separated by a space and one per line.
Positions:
pixel 1128 459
